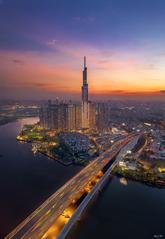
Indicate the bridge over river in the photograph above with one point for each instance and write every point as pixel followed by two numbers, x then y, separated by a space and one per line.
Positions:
pixel 38 223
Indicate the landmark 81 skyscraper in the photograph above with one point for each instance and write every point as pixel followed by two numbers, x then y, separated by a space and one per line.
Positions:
pixel 85 103
pixel 85 84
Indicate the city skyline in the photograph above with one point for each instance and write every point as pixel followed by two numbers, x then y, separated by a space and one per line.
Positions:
pixel 82 119
pixel 40 53
pixel 70 116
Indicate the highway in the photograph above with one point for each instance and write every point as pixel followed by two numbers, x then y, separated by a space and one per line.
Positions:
pixel 36 224
pixel 77 215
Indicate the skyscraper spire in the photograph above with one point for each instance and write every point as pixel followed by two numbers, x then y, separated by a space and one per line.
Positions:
pixel 84 62
pixel 85 83
pixel 85 72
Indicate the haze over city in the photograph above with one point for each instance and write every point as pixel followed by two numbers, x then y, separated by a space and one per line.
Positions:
pixel 42 44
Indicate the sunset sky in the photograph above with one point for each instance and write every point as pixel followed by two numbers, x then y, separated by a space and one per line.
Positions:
pixel 42 44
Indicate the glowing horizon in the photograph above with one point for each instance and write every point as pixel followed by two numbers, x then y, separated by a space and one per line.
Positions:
pixel 46 59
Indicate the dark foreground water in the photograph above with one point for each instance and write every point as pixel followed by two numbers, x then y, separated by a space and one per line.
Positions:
pixel 134 211
pixel 25 180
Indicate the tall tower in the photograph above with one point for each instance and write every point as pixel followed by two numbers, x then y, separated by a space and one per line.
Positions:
pixel 85 103
pixel 85 83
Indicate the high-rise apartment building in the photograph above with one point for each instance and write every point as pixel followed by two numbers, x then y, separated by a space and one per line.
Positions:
pixel 102 116
pixel 53 115
pixel 92 115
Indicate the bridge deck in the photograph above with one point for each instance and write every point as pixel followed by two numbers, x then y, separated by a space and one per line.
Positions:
pixel 43 217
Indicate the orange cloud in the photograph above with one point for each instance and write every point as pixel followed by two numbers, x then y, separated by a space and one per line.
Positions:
pixel 108 72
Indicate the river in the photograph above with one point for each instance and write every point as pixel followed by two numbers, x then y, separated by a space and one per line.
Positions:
pixel 132 211
pixel 26 180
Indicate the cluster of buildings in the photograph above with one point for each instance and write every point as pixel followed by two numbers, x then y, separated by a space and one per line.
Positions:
pixel 156 146
pixel 103 116
pixel 75 141
pixel 71 116
pixel 60 116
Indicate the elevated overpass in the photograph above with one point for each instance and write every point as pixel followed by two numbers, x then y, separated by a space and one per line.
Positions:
pixel 85 203
pixel 36 224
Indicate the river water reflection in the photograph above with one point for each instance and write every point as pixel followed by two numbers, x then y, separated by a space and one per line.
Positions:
pixel 132 211
pixel 25 180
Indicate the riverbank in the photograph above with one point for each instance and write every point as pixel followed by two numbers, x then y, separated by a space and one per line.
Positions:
pixel 144 176
pixel 65 147
pixel 26 179
pixel 56 159
pixel 7 120
pixel 12 119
